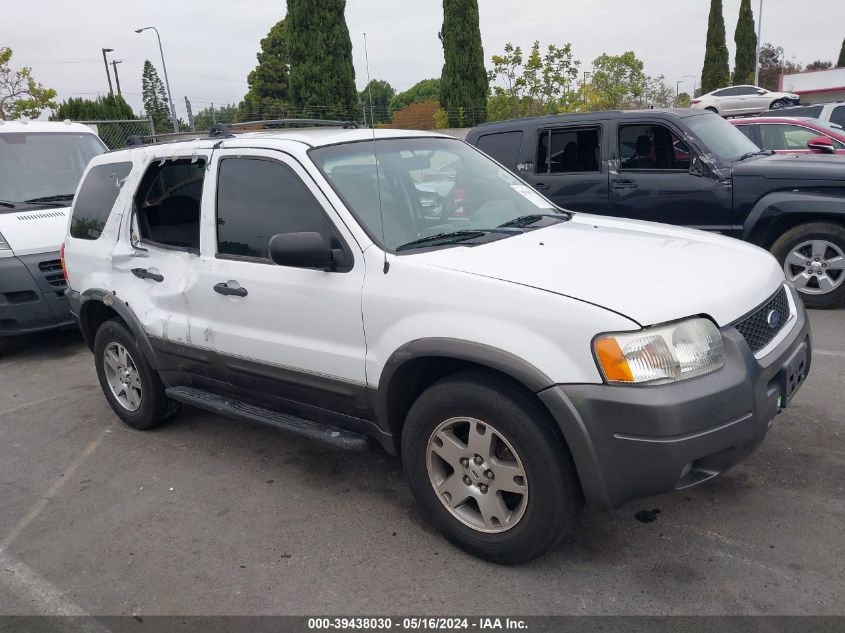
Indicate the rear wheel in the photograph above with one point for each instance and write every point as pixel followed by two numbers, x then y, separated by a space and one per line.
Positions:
pixel 131 386
pixel 483 461
pixel 813 258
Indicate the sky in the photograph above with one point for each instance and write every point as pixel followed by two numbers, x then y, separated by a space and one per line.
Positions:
pixel 210 45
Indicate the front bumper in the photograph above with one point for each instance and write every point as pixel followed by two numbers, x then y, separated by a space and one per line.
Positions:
pixel 32 289
pixel 629 441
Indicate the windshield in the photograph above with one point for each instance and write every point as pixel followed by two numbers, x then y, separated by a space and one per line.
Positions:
pixel 720 137
pixel 41 165
pixel 427 186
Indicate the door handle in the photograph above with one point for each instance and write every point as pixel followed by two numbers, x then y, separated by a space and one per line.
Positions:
pixel 541 186
pixel 143 273
pixel 624 184
pixel 225 289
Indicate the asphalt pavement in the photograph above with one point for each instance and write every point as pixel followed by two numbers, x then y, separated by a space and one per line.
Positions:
pixel 211 516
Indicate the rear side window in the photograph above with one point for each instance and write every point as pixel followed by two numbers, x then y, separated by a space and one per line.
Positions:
pixel 568 150
pixel 167 204
pixel 96 198
pixel 838 115
pixel 503 147
pixel 258 198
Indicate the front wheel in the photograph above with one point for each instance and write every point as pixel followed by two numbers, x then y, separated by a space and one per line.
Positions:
pixel 483 461
pixel 778 104
pixel 813 258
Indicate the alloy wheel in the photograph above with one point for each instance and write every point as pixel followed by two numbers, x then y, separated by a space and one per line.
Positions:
pixel 816 267
pixel 477 474
pixel 122 376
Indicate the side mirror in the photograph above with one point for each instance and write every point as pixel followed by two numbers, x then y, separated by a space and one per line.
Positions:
pixel 762 91
pixel 304 250
pixel 821 145
pixel 697 166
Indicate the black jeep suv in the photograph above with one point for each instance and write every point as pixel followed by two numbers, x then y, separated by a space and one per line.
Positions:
pixel 692 168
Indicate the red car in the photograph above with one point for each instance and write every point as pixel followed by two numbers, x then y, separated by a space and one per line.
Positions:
pixel 793 135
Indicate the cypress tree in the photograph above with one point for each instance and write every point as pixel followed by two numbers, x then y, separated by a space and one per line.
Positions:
pixel 841 62
pixel 746 45
pixel 322 78
pixel 155 100
pixel 463 85
pixel 715 73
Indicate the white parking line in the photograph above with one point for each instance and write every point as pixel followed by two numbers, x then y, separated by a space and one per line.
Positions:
pixel 828 352
pixel 44 598
pixel 57 396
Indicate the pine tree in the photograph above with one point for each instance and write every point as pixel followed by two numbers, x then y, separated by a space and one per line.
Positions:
pixel 322 78
pixel 841 62
pixel 746 46
pixel 155 99
pixel 463 84
pixel 715 73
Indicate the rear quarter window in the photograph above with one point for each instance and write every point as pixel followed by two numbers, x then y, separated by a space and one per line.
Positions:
pixel 503 147
pixel 95 200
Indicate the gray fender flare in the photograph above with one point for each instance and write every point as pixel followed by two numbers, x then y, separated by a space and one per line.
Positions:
pixel 124 312
pixel 792 203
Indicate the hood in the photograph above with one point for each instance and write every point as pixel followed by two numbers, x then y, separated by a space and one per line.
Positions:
pixel 651 273
pixel 35 231
pixel 824 167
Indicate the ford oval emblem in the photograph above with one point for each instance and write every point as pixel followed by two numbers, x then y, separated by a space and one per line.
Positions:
pixel 773 319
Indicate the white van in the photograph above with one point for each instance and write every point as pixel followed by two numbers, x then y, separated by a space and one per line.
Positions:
pixel 41 164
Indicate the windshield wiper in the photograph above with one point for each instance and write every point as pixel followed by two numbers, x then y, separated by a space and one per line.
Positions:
pixel 527 220
pixel 451 237
pixel 761 152
pixel 6 203
pixel 59 197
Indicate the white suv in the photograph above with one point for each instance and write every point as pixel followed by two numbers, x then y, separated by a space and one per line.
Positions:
pixel 518 357
pixel 744 100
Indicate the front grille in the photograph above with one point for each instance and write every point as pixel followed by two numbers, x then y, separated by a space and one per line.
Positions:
pixel 52 271
pixel 756 328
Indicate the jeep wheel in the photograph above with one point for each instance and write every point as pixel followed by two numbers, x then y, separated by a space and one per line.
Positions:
pixel 813 258
pixel 484 462
pixel 131 386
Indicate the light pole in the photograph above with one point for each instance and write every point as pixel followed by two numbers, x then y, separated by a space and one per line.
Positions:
pixel 114 64
pixel 693 83
pixel 173 119
pixel 106 64
pixel 759 35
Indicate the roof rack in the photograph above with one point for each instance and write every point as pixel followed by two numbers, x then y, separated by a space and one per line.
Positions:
pixel 224 130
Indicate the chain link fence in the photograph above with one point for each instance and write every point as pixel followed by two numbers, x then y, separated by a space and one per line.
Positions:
pixel 114 133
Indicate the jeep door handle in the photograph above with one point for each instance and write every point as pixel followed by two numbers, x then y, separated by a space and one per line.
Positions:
pixel 225 289
pixel 541 186
pixel 143 273
pixel 624 184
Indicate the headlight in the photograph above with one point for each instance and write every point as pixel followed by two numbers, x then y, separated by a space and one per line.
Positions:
pixel 4 245
pixel 661 354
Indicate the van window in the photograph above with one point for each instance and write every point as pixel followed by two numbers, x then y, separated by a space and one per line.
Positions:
pixel 258 198
pixel 503 147
pixel 568 150
pixel 38 165
pixel 96 198
pixel 167 204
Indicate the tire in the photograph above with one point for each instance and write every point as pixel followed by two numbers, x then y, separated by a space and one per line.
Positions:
pixel 777 104
pixel 152 408
pixel 808 241
pixel 552 497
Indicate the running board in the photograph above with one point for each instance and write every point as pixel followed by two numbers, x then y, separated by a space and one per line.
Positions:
pixel 229 407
